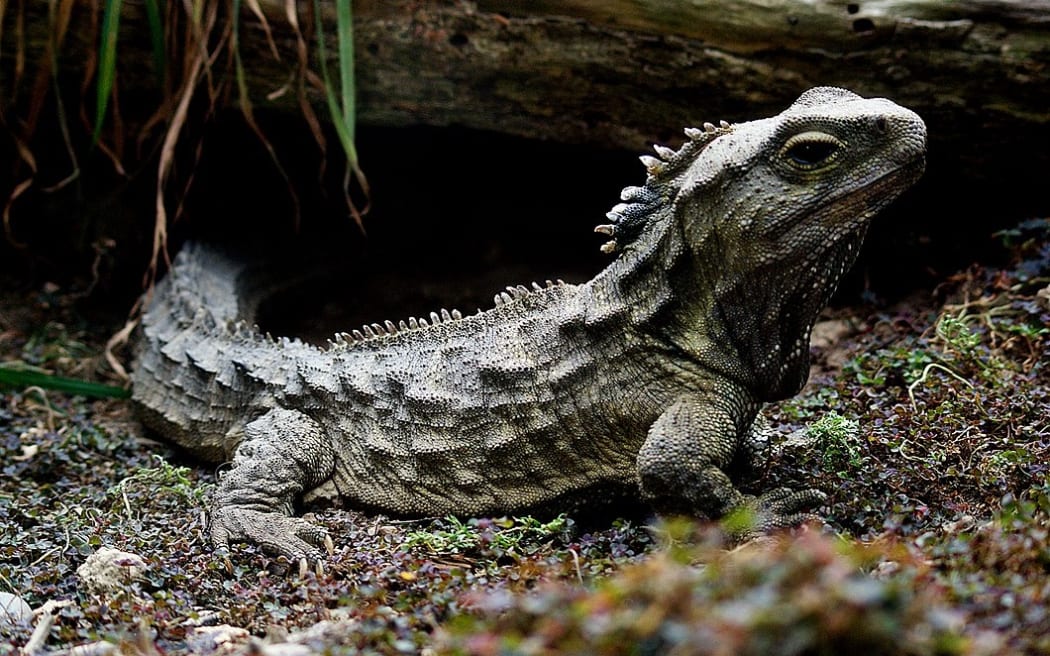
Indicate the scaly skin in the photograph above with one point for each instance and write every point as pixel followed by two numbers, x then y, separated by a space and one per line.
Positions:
pixel 648 377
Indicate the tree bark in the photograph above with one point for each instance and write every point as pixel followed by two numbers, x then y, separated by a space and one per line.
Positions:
pixel 626 73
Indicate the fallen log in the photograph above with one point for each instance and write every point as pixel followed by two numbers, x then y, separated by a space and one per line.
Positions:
pixel 623 74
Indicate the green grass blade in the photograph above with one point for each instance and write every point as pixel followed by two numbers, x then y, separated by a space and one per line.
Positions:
pixel 19 376
pixel 345 31
pixel 156 38
pixel 331 97
pixel 107 63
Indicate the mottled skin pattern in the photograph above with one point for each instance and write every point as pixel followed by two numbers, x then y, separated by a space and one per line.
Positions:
pixel 648 377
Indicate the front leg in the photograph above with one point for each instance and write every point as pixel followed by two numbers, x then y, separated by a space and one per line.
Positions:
pixel 681 465
pixel 284 453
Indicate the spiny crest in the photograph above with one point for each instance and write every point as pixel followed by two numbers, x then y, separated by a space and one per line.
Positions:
pixel 520 291
pixel 389 328
pixel 627 218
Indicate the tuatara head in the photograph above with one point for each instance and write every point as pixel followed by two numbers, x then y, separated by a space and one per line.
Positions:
pixel 752 226
pixel 777 189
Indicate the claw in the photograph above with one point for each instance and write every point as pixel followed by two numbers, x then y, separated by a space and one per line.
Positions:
pixel 329 544
pixel 304 567
pixel 782 508
pixel 319 568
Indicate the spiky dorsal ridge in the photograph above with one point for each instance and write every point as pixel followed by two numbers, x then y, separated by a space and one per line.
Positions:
pixel 388 328
pixel 627 218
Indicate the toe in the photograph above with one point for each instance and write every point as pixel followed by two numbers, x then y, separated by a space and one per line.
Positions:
pixel 793 501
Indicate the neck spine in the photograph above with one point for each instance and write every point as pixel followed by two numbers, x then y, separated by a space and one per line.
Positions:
pixel 640 284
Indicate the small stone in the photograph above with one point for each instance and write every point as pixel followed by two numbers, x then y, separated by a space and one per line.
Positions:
pixel 286 649
pixel 826 334
pixel 223 634
pixel 110 569
pixel 14 610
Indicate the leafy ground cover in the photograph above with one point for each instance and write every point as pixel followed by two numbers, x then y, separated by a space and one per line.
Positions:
pixel 927 422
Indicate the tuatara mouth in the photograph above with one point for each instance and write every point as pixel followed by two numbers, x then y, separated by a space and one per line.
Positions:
pixel 873 194
pixel 911 170
pixel 896 180
pixel 868 199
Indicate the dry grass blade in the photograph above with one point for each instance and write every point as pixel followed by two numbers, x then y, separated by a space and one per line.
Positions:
pixel 303 55
pixel 119 339
pixel 198 63
pixel 63 127
pixel 39 90
pixel 110 153
pixel 246 106
pixel 359 175
pixel 62 17
pixel 203 18
pixel 167 158
pixel 20 50
pixel 26 156
pixel 59 17
pixel 253 5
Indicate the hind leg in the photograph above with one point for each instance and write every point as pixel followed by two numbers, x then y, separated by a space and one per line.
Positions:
pixel 284 453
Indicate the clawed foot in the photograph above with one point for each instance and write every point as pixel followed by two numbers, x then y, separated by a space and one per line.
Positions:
pixel 292 537
pixel 777 509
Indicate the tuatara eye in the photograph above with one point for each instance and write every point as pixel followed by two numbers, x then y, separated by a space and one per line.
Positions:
pixel 811 150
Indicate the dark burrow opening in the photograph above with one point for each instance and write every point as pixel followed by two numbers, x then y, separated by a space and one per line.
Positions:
pixel 457 215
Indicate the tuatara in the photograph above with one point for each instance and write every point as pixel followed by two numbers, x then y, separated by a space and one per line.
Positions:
pixel 647 378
